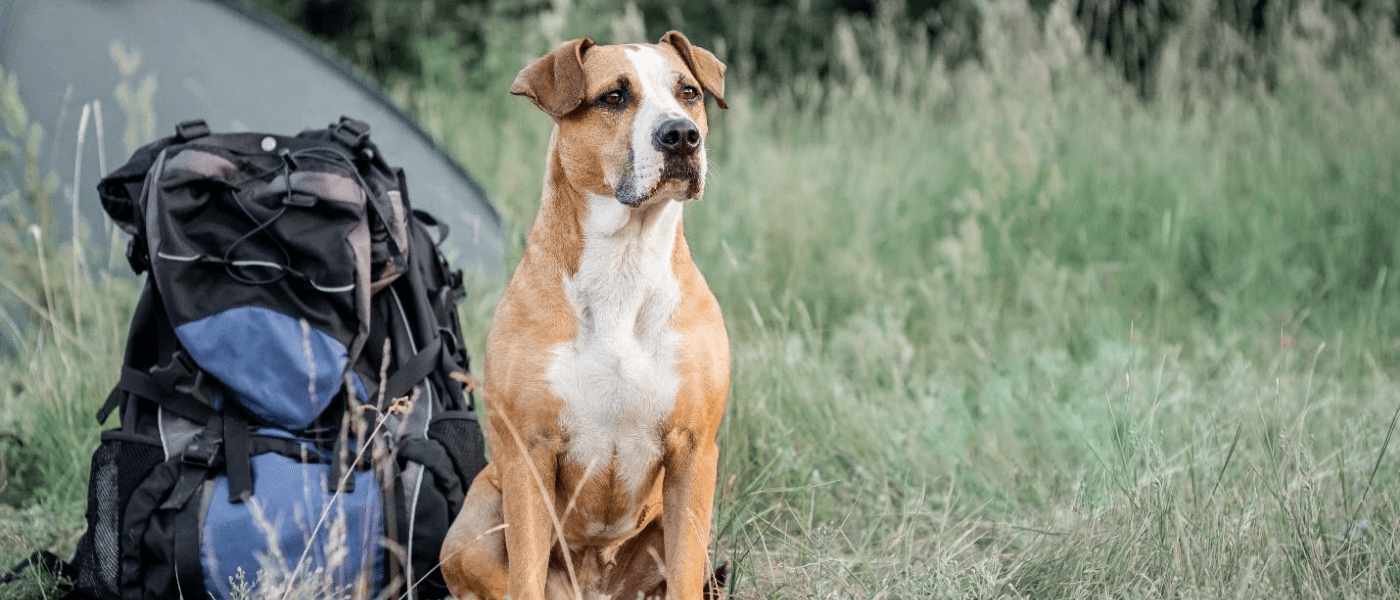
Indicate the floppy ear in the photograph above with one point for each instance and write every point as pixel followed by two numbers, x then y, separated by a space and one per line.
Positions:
pixel 555 81
pixel 703 65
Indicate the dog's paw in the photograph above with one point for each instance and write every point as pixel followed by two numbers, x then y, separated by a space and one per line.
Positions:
pixel 714 586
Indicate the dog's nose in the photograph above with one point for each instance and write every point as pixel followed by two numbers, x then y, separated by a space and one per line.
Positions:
pixel 677 136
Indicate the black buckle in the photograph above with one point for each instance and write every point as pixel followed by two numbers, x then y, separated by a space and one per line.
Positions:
pixel 351 133
pixel 201 453
pixel 199 456
pixel 191 130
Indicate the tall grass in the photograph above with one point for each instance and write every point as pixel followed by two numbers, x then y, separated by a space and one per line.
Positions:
pixel 62 328
pixel 1006 330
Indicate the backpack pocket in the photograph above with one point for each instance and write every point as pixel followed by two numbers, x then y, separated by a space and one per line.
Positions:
pixel 460 435
pixel 122 461
pixel 433 490
pixel 265 278
pixel 292 524
pixel 195 546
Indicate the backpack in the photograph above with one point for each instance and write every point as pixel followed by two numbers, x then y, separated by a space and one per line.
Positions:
pixel 292 393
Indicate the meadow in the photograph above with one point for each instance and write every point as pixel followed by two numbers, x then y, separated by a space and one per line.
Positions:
pixel 1000 330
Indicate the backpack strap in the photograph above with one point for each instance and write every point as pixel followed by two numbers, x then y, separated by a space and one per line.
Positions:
pixel 140 378
pixel 189 569
pixel 428 220
pixel 451 278
pixel 433 354
pixel 423 363
pixel 238 464
pixel 201 455
pixel 143 385
pixel 44 560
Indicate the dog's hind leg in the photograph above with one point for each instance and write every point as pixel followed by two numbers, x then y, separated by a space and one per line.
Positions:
pixel 639 567
pixel 474 552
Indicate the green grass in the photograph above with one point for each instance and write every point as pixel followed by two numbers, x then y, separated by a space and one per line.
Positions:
pixel 1000 332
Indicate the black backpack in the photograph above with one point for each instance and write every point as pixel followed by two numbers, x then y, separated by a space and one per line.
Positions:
pixel 292 392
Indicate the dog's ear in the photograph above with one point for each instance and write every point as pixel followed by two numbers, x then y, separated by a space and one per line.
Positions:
pixel 706 68
pixel 555 81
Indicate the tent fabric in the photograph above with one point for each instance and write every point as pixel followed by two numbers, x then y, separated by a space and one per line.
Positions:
pixel 230 64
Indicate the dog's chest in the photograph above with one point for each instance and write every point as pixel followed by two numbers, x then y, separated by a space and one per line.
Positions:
pixel 617 378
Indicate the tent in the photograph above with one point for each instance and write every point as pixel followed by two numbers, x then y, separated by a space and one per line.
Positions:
pixel 230 64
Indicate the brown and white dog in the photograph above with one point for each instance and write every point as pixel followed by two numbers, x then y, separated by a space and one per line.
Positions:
pixel 607 366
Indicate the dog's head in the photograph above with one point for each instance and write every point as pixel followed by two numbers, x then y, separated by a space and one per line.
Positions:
pixel 631 117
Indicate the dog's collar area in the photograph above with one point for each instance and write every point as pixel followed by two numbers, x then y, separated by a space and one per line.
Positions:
pixel 608 216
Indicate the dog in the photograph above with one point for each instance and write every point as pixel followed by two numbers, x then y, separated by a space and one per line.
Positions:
pixel 607 365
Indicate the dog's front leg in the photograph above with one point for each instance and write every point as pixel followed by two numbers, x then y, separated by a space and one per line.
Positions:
pixel 527 484
pixel 692 459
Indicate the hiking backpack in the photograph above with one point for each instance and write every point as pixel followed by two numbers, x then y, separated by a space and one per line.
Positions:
pixel 292 391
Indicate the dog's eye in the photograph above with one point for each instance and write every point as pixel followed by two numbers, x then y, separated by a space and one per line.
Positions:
pixel 689 93
pixel 614 98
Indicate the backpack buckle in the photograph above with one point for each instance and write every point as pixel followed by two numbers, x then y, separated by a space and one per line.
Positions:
pixel 350 133
pixel 191 130
pixel 201 454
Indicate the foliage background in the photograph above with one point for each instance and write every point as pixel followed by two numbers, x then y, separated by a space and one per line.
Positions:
pixel 1072 299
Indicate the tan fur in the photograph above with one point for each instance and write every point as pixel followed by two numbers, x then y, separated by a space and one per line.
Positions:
pixel 708 69
pixel 506 540
pixel 555 85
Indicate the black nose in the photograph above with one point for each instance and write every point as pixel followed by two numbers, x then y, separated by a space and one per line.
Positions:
pixel 677 136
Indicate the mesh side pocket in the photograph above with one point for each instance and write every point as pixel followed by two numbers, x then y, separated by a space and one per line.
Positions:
pixel 459 434
pixel 120 463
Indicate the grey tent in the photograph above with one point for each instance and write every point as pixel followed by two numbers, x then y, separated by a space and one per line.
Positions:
pixel 224 62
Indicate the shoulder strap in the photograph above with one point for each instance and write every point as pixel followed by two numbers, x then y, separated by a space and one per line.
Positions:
pixel 44 560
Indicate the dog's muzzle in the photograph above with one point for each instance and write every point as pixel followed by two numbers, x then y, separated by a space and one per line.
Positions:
pixel 679 142
pixel 680 149
pixel 676 137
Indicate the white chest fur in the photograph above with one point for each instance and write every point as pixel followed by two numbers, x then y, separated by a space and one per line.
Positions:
pixel 617 377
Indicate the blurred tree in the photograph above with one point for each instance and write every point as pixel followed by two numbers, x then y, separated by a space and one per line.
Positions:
pixel 1131 33
pixel 776 39
pixel 772 41
pixel 378 35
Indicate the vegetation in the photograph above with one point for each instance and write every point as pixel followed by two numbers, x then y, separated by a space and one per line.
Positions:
pixel 1002 327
